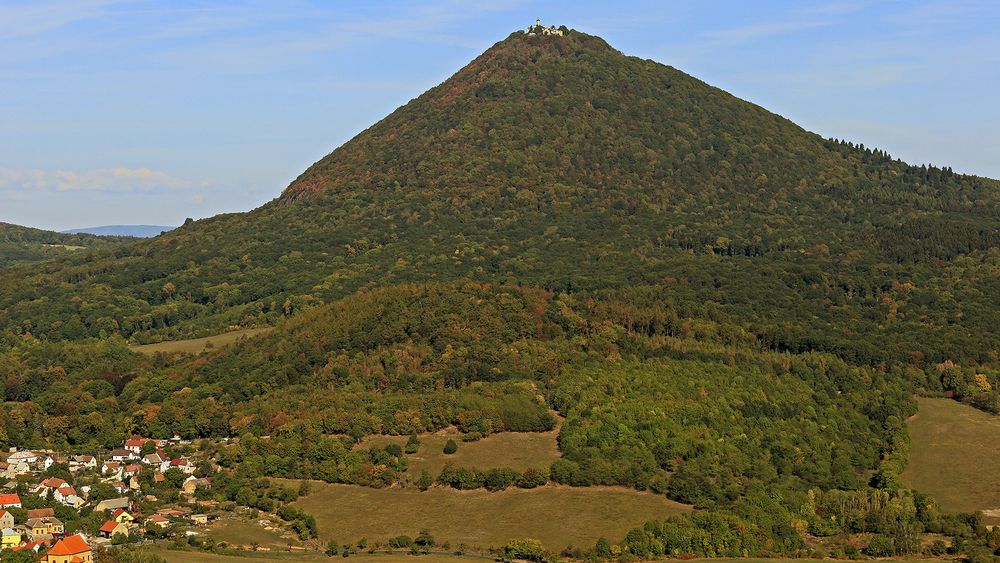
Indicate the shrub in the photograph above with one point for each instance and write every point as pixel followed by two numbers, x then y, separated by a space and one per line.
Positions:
pixel 500 478
pixel 532 478
pixel 393 450
pixel 450 447
pixel 880 546
pixel 527 549
pixel 425 480
pixel 400 541
pixel 472 436
pixel 937 547
pixel 563 471
pixel 424 539
pixel 412 444
pixel 602 548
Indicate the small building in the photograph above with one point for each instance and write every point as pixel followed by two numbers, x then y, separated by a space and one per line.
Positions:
pixel 135 443
pixel 110 529
pixel 52 483
pixel 41 512
pixel 201 519
pixel 46 527
pixel 122 455
pixel 192 484
pixel 539 29
pixel 158 521
pixel 67 495
pixel 112 468
pixel 10 537
pixel 122 515
pixel 33 545
pixel 73 549
pixel 10 501
pixel 24 456
pixel 6 519
pixel 80 462
pixel 183 464
pixel 113 503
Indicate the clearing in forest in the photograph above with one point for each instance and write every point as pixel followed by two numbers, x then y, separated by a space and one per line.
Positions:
pixel 198 345
pixel 953 453
pixel 517 450
pixel 559 516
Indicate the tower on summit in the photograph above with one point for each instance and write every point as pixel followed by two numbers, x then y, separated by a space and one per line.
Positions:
pixel 539 29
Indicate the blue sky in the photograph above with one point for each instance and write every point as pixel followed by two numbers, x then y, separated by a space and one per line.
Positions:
pixel 129 112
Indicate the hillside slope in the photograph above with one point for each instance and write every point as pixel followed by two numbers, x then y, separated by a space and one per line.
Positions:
pixel 19 245
pixel 558 162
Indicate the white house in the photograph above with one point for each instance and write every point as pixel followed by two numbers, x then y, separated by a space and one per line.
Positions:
pixel 25 456
pixel 78 462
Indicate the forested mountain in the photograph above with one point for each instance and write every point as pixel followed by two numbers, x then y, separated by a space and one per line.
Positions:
pixel 20 245
pixel 558 162
pixel 725 308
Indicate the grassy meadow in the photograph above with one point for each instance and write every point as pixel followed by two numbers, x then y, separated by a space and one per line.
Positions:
pixel 558 516
pixel 173 556
pixel 239 532
pixel 953 448
pixel 517 450
pixel 198 345
pixel 289 557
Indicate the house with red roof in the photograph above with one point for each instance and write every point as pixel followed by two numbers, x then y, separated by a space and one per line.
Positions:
pixel 112 528
pixel 79 462
pixel 41 512
pixel 122 515
pixel 10 501
pixel 33 545
pixel 67 495
pixel 72 549
pixel 183 464
pixel 51 484
pixel 135 443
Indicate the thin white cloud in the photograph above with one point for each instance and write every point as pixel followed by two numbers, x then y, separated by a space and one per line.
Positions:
pixel 747 33
pixel 118 179
pixel 26 18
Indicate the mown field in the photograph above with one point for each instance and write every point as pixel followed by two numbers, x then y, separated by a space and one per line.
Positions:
pixel 517 450
pixel 198 345
pixel 199 557
pixel 239 532
pixel 953 456
pixel 558 516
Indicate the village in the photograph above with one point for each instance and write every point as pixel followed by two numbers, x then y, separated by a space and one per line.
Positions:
pixel 63 508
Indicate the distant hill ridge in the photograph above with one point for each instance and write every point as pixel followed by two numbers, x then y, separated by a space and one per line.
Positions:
pixel 141 231
pixel 22 245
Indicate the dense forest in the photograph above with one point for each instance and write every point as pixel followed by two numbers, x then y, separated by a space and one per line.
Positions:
pixel 723 307
pixel 21 245
pixel 699 410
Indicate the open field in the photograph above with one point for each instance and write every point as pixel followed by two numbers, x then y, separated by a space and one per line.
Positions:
pixel 556 515
pixel 953 455
pixel 200 557
pixel 239 532
pixel 197 345
pixel 517 450
pixel 289 557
